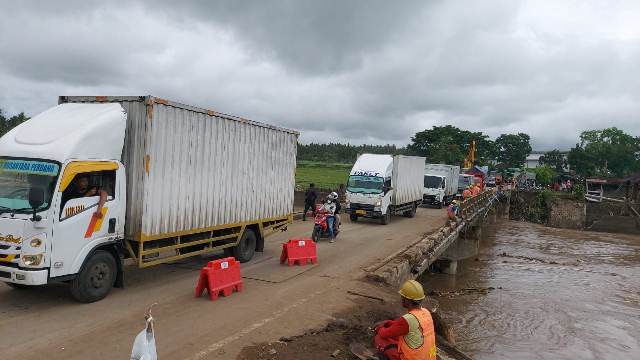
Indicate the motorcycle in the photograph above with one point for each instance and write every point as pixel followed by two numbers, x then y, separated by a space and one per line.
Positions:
pixel 321 228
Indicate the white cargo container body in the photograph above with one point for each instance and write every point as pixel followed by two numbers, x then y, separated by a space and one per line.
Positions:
pixel 407 179
pixel 95 178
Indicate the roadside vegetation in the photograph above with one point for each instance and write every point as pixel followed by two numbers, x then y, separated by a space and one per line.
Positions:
pixel 323 175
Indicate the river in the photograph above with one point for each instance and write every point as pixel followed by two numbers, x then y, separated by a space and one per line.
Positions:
pixel 540 293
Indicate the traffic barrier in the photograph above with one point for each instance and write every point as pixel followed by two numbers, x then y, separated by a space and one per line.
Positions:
pixel 221 275
pixel 299 251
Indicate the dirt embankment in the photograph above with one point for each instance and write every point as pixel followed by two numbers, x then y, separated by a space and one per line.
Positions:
pixel 333 339
pixel 353 326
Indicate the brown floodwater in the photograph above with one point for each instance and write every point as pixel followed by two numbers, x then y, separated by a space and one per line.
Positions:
pixel 540 293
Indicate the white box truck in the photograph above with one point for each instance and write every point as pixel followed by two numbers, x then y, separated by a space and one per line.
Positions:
pixel 383 185
pixel 98 179
pixel 440 184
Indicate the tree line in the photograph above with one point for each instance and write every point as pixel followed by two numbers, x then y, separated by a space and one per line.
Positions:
pixel 8 123
pixel 440 144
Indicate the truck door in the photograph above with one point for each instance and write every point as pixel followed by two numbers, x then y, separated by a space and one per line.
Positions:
pixel 79 226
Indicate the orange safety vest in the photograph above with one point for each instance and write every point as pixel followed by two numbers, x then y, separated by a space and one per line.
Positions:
pixel 451 211
pixel 466 193
pixel 420 342
pixel 476 190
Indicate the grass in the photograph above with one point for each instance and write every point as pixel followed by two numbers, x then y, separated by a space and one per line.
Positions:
pixel 323 175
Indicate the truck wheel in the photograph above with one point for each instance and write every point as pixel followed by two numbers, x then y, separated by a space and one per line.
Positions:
pixel 412 213
pixel 244 251
pixel 386 218
pixel 96 278
pixel 353 217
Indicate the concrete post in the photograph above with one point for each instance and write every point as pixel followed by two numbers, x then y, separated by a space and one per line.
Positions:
pixel 449 267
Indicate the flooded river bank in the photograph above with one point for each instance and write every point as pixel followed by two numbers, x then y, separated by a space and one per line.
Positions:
pixel 541 293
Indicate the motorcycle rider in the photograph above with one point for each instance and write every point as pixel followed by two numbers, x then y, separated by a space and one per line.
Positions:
pixel 332 218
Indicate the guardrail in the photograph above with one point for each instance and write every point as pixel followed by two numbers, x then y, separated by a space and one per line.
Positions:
pixel 471 205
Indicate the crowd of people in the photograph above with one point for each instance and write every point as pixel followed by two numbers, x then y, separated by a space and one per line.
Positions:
pixel 562 186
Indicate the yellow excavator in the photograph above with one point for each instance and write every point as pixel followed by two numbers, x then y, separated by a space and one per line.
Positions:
pixel 470 160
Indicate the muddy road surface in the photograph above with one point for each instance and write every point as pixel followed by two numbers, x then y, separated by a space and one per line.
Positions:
pixel 277 300
pixel 542 293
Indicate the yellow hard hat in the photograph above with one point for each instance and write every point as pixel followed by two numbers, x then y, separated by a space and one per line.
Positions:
pixel 412 290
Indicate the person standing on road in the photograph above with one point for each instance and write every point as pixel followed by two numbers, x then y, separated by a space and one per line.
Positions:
pixel 310 197
pixel 412 336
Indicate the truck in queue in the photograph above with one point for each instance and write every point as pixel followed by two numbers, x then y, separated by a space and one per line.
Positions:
pixel 440 184
pixel 380 186
pixel 464 181
pixel 95 181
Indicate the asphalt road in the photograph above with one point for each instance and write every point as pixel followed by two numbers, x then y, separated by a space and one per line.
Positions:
pixel 45 323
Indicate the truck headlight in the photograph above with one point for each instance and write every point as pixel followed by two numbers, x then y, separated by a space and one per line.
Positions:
pixel 32 260
pixel 378 203
pixel 35 242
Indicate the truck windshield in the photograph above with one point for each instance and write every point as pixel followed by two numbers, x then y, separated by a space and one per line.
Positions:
pixel 464 181
pixel 365 184
pixel 432 182
pixel 17 176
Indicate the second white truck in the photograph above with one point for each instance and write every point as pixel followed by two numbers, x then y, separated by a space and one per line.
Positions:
pixel 384 185
pixel 440 184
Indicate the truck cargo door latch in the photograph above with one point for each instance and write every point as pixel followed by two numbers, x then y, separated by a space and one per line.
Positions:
pixel 112 225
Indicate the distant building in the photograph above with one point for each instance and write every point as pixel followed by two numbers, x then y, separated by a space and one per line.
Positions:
pixel 533 160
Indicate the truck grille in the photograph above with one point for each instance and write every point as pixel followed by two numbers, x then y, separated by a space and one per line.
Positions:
pixel 367 207
pixel 4 274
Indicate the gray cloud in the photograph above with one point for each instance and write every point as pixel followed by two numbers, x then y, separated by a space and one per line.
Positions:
pixel 358 71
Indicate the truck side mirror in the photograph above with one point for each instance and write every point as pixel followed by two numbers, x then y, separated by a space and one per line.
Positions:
pixel 386 189
pixel 36 199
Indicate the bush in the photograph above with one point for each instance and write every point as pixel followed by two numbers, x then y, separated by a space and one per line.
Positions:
pixel 545 175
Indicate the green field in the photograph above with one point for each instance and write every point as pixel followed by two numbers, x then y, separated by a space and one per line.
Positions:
pixel 323 175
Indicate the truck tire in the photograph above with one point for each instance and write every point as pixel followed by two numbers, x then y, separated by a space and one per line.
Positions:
pixel 412 213
pixel 353 217
pixel 386 218
pixel 96 278
pixel 245 249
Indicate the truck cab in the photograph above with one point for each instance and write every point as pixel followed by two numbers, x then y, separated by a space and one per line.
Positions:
pixel 434 189
pixel 369 188
pixel 62 199
pixel 384 185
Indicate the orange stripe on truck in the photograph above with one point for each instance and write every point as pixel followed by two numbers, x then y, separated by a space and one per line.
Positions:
pixel 95 224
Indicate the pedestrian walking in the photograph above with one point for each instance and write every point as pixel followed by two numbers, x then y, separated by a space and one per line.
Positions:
pixel 310 197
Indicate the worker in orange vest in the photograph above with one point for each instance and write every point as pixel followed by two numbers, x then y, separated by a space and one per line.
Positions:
pixel 467 193
pixel 411 336
pixel 476 190
pixel 452 210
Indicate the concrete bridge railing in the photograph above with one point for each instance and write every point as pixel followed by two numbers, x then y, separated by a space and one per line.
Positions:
pixel 458 239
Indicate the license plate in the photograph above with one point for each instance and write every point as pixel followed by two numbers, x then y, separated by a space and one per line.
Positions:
pixel 361 212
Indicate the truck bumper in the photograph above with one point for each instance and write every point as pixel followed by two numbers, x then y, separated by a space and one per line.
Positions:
pixel 24 277
pixel 429 199
pixel 364 213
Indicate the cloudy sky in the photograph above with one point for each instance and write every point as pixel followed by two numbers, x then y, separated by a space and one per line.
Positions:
pixel 356 71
